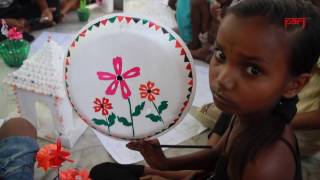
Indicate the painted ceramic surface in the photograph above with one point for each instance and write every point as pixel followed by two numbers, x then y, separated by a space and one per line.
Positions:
pixel 129 77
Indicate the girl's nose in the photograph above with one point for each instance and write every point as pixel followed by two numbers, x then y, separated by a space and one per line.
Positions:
pixel 226 78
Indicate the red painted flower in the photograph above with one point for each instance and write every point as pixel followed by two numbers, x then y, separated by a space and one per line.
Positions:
pixel 102 105
pixel 74 174
pixel 149 91
pixel 119 77
pixel 52 156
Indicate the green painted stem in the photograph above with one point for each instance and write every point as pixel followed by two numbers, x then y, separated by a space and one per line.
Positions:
pixel 108 124
pixel 158 112
pixel 131 116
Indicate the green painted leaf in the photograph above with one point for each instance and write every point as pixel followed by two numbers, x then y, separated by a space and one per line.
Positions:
pixel 111 119
pixel 163 106
pixel 100 122
pixel 153 117
pixel 138 109
pixel 124 121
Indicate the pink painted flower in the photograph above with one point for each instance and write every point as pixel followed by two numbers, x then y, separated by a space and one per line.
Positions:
pixel 102 105
pixel 119 77
pixel 13 34
pixel 74 174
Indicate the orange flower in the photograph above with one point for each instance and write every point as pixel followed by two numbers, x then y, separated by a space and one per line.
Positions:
pixel 103 105
pixel 52 156
pixel 74 174
pixel 149 91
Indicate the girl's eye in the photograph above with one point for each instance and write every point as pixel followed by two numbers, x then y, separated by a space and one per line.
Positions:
pixel 253 70
pixel 218 54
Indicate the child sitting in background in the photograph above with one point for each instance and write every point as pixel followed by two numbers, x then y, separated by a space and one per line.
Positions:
pixel 217 10
pixel 256 72
pixel 27 15
pixel 193 19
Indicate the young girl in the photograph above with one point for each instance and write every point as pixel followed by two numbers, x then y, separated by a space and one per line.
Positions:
pixel 258 67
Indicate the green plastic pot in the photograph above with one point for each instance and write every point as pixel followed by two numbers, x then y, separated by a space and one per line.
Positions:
pixel 83 14
pixel 14 52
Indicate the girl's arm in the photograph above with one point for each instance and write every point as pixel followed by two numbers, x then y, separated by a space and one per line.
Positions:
pixel 154 156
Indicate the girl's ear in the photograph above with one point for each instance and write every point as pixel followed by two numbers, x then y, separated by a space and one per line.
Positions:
pixel 296 85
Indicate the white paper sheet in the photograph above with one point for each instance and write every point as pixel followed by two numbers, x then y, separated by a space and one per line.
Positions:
pixel 188 128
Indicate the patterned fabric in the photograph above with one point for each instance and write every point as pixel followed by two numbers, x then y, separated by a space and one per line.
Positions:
pixel 309 141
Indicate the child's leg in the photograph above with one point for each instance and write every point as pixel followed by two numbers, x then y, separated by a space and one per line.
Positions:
pixel 17 127
pixel 205 15
pixel 69 5
pixel 200 19
pixel 18 149
pixel 196 24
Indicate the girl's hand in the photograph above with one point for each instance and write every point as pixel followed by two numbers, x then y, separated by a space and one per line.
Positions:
pixel 152 154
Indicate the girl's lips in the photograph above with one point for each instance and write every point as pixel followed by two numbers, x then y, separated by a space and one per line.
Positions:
pixel 222 99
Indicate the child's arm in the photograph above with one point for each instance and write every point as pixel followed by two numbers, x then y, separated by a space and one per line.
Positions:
pixel 154 156
pixel 156 159
pixel 307 120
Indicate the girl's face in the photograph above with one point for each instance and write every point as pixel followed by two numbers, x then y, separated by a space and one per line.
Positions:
pixel 249 69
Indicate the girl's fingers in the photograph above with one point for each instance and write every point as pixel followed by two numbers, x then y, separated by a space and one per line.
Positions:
pixel 133 145
pixel 154 141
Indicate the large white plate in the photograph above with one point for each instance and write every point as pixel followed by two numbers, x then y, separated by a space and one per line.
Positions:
pixel 129 77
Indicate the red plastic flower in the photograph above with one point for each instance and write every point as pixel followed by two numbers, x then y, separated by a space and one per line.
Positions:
pixel 73 174
pixel 103 105
pixel 149 91
pixel 52 156
pixel 13 34
pixel 119 77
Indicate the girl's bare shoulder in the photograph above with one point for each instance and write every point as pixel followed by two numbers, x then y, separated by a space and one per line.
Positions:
pixel 276 162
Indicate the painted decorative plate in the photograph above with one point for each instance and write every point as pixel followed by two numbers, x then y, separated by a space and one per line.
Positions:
pixel 129 77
